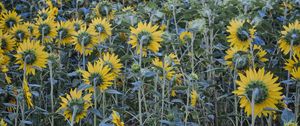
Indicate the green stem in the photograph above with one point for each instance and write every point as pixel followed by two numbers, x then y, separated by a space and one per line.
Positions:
pixel 163 92
pixel 95 103
pixel 297 102
pixel 51 92
pixel 139 91
pixel 75 108
pixel 255 91
pixel 103 103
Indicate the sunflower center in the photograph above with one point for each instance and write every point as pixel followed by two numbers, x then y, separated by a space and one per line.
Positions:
pixel 99 28
pixel 84 38
pixel 293 35
pixel 240 60
pixel 262 91
pixel 144 37
pixel 20 35
pixel 29 57
pixel 76 27
pixel 3 44
pixel 97 78
pixel 243 34
pixel 78 103
pixel 10 22
pixel 63 33
pixel 44 29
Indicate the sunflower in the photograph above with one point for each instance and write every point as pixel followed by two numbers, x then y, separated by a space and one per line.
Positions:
pixel 2 8
pixel 2 123
pixel 46 13
pixel 8 19
pixel 112 61
pixel 75 102
pixel 98 73
pixel 237 57
pixel 169 70
pixel 296 73
pixel 116 119
pixel 19 32
pixel 65 32
pixel 31 53
pixel 4 61
pixel 128 9
pixel 241 33
pixel 78 24
pixel 292 63
pixel 100 28
pixel 27 94
pixel 172 59
pixel 146 34
pixel 84 41
pixel 290 39
pixel 185 37
pixel 45 29
pixel 29 27
pixel 266 88
pixel 104 9
pixel 7 42
pixel 259 55
pixel 194 97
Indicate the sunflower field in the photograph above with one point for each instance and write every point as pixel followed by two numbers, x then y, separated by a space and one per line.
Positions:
pixel 149 62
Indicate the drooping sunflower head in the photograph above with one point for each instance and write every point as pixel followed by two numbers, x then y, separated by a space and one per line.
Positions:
pixel 98 74
pixel 84 41
pixel 32 55
pixel 237 58
pixel 8 19
pixel 292 63
pixel 172 59
pixel 104 9
pixel 116 119
pixel 241 33
pixel 259 56
pixel 112 61
pixel 75 104
pixel 100 28
pixel 7 42
pixel 185 37
pixel 194 97
pixel 2 122
pixel 290 39
pixel 20 32
pixel 164 68
pixel 45 29
pixel 78 24
pixel 65 32
pixel 264 87
pixel 146 35
pixel 27 94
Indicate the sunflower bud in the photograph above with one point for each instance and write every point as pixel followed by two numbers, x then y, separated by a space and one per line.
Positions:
pixel 135 67
pixel 194 76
